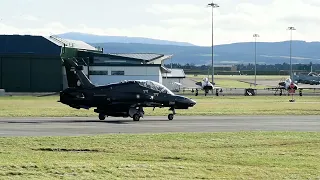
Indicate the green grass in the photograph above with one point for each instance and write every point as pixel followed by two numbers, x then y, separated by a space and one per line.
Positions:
pixel 27 106
pixel 242 155
pixel 226 81
pixel 236 84
pixel 229 83
pixel 241 77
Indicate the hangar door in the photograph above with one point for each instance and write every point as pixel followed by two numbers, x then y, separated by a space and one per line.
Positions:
pixel 15 74
pixel 29 74
pixel 46 75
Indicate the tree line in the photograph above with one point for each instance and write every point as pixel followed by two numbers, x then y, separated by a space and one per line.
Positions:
pixel 262 69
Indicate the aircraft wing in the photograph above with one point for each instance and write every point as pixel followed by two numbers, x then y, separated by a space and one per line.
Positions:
pixel 200 87
pixel 199 84
pixel 274 88
pixel 302 88
pixel 135 104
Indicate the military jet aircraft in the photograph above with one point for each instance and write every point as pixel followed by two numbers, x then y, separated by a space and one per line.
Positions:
pixel 206 85
pixel 122 99
pixel 287 85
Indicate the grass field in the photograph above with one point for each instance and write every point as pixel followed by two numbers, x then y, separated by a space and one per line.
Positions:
pixel 27 106
pixel 228 81
pixel 243 155
pixel 241 77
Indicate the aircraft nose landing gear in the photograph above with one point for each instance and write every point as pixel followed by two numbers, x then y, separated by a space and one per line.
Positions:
pixel 170 116
pixel 102 116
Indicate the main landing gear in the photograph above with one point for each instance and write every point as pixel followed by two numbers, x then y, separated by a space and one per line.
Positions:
pixel 136 117
pixel 136 113
pixel 170 116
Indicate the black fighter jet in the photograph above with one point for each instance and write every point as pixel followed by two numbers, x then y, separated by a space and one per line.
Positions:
pixel 122 99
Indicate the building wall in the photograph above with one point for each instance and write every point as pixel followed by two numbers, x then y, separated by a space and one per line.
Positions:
pixel 102 75
pixel 168 82
pixel 29 64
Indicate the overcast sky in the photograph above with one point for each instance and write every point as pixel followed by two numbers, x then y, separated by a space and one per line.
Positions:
pixel 178 20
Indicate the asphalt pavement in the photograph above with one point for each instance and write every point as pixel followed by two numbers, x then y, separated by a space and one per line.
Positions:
pixel 74 126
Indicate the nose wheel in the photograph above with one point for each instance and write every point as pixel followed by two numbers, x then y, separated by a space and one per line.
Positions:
pixel 170 116
pixel 102 116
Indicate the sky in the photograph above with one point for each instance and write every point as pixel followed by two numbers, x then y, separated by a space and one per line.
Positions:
pixel 175 20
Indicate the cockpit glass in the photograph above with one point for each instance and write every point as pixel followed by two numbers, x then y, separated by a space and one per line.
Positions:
pixel 155 86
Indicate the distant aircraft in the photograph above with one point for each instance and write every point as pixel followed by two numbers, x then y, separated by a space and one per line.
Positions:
pixel 122 99
pixel 311 78
pixel 287 85
pixel 206 85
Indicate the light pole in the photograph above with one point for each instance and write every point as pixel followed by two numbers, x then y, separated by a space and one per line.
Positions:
pixel 212 5
pixel 255 58
pixel 291 29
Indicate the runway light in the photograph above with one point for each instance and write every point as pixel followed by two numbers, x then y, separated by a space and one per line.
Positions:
pixel 212 5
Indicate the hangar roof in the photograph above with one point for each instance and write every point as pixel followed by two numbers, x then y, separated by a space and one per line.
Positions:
pixel 70 43
pixel 143 56
pixel 150 57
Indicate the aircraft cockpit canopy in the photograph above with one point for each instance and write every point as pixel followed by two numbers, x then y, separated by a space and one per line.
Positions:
pixel 154 86
pixel 150 85
pixel 288 81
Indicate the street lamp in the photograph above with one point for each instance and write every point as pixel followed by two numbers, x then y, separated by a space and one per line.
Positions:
pixel 291 29
pixel 255 58
pixel 212 5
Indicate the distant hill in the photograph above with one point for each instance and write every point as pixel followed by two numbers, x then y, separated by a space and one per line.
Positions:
pixel 90 38
pixel 236 53
pixel 267 53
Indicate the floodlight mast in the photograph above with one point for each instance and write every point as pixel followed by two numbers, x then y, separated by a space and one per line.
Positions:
pixel 255 58
pixel 291 29
pixel 212 5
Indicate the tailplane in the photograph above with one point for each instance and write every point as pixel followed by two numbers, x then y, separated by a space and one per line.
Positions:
pixel 75 75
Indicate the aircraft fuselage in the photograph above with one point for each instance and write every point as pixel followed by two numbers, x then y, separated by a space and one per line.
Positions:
pixel 118 99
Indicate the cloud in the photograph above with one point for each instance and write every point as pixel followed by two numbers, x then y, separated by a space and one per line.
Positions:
pixel 175 9
pixel 185 22
pixel 30 18
pixel 181 20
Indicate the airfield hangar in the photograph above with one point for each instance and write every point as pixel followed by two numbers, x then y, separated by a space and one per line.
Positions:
pixel 34 64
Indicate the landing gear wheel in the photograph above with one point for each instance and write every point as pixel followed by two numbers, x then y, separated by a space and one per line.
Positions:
pixel 170 117
pixel 136 117
pixel 102 116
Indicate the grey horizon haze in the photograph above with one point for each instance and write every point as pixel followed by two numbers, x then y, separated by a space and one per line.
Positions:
pixel 178 20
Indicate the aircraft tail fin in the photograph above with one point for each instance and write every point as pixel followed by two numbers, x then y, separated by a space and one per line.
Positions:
pixel 75 75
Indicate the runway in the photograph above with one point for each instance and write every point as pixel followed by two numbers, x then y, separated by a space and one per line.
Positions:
pixel 75 126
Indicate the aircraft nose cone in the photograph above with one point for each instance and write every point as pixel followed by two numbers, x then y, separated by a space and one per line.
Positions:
pixel 192 103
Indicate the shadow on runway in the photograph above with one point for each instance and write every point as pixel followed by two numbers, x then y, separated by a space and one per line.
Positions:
pixel 75 121
pixel 63 121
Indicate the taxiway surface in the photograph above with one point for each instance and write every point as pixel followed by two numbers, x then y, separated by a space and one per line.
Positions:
pixel 74 126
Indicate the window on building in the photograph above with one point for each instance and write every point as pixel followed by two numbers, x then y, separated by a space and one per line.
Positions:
pixel 98 72
pixel 117 72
